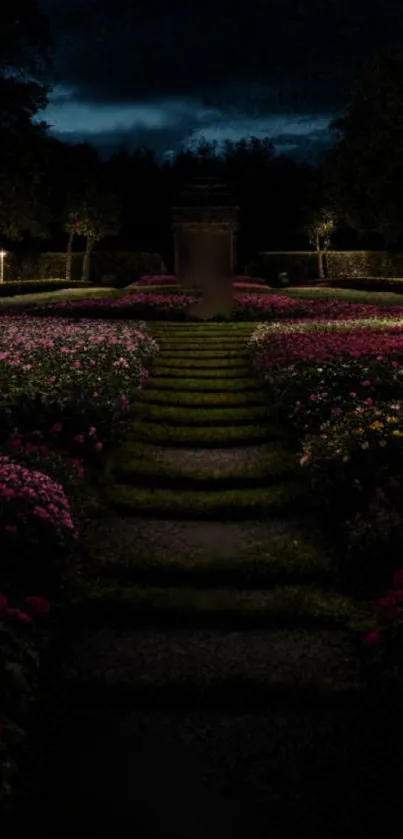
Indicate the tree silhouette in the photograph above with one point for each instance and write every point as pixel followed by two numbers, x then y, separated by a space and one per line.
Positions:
pixel 24 69
pixel 366 164
pixel 95 216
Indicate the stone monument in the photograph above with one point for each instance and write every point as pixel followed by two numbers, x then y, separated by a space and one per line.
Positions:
pixel 205 223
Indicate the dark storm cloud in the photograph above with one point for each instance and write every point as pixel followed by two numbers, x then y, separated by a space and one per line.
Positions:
pixel 278 56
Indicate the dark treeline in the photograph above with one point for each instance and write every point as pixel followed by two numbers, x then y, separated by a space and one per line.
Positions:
pixel 125 202
pixel 57 196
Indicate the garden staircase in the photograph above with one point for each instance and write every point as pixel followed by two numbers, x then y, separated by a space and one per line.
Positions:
pixel 206 597
pixel 208 561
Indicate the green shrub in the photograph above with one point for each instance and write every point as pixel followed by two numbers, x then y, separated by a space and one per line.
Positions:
pixel 19 666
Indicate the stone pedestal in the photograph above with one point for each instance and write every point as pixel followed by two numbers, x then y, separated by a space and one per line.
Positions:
pixel 205 254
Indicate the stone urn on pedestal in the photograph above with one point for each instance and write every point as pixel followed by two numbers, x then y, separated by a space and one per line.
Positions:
pixel 205 224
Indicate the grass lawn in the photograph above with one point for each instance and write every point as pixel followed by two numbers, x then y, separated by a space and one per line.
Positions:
pixel 57 296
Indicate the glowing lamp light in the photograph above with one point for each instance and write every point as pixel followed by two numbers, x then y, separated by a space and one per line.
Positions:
pixel 2 255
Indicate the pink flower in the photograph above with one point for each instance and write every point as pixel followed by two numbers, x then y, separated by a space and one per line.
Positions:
pixel 56 428
pixel 386 608
pixel 368 402
pixel 41 513
pixel 16 442
pixel 371 639
pixel 99 446
pixel 352 394
pixel 313 398
pixel 18 615
pixel 79 438
pixel 395 364
pixel 398 579
pixel 366 383
pixel 10 528
pixel 37 606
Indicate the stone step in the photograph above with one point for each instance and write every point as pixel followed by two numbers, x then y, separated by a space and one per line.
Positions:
pixel 223 468
pixel 250 554
pixel 200 415
pixel 261 663
pixel 193 540
pixel 205 437
pixel 207 347
pixel 161 369
pixel 208 504
pixel 212 327
pixel 214 361
pixel 206 385
pixel 153 396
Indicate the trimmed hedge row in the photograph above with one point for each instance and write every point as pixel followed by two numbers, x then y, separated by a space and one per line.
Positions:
pixel 124 266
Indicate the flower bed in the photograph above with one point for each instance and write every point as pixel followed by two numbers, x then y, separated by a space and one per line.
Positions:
pixel 71 383
pixel 382 646
pixel 36 527
pixel 339 387
pixel 251 306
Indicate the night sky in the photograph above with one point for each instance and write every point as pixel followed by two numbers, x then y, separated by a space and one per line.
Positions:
pixel 165 72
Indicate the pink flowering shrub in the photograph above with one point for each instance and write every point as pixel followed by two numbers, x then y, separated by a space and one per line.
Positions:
pixel 382 646
pixel 69 472
pixel 319 375
pixel 70 383
pixel 147 305
pixel 340 390
pixel 35 520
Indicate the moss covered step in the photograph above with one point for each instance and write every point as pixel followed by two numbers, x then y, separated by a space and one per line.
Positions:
pixel 219 370
pixel 235 364
pixel 163 397
pixel 128 469
pixel 203 357
pixel 207 504
pixel 207 326
pixel 168 435
pixel 229 666
pixel 280 560
pixel 205 348
pixel 283 606
pixel 204 384
pixel 198 335
pixel 200 415
pixel 213 341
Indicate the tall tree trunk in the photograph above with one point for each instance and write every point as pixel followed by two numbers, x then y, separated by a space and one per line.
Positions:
pixel 69 257
pixel 87 260
pixel 320 259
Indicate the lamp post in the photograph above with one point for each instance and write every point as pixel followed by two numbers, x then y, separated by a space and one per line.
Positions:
pixel 2 255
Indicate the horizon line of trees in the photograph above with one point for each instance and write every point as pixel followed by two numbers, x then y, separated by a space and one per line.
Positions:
pixel 60 192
